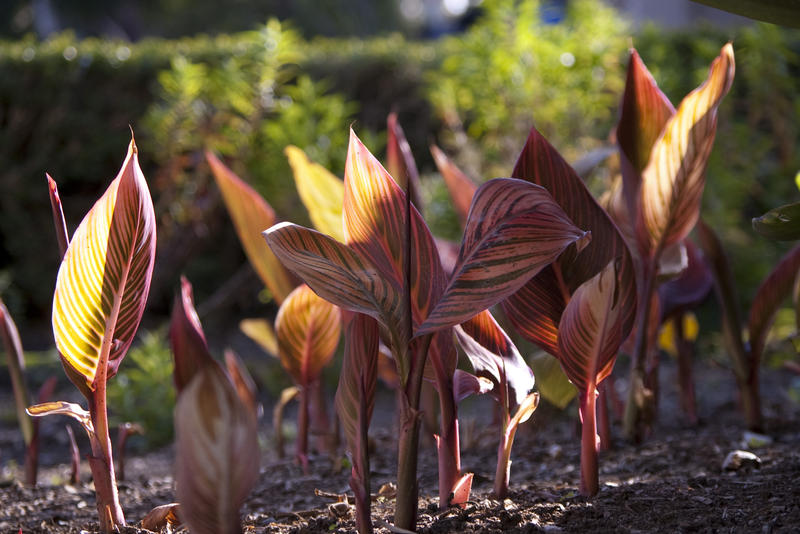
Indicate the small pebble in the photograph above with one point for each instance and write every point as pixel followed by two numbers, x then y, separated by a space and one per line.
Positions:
pixel 738 459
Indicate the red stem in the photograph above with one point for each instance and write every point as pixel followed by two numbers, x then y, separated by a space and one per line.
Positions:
pixel 685 351
pixel 603 417
pixel 448 446
pixel 100 461
pixel 589 478
pixel 359 475
pixel 301 453
pixel 502 474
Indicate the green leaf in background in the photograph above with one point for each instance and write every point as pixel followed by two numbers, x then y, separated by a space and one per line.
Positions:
pixel 782 224
pixel 552 383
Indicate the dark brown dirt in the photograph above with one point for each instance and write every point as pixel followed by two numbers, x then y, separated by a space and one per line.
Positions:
pixel 674 482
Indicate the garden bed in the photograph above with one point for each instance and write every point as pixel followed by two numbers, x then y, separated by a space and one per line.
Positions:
pixel 674 482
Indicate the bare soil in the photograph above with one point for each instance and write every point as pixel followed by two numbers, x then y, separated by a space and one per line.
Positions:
pixel 673 482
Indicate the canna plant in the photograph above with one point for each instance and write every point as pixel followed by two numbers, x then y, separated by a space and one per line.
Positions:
pixel 663 155
pixel 389 269
pixel 217 460
pixel 746 355
pixel 251 214
pixel 308 330
pixel 100 295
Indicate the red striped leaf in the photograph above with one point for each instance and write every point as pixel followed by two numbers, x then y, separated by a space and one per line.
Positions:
pixel 535 310
pixel 645 111
pixel 214 431
pixel 493 355
pixel 104 279
pixel 514 229
pixel 466 384
pixel 591 330
pixel 186 338
pixel 337 273
pixel 375 227
pixel 62 235
pixel 673 181
pixel 460 186
pixel 355 399
pixel 772 291
pixel 251 215
pixel 400 161
pixel 308 329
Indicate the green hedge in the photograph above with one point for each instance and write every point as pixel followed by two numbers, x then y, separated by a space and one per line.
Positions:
pixel 65 107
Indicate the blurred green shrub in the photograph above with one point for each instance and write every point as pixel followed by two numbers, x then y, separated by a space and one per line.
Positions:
pixel 143 391
pixel 511 71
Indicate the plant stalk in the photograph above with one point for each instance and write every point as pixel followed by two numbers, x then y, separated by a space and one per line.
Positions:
pixel 101 462
pixel 405 515
pixel 301 451
pixel 685 352
pixel 604 420
pixel 502 475
pixel 448 446
pixel 359 475
pixel 590 484
pixel 638 409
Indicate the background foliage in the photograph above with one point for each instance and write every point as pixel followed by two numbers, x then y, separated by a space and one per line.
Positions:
pixel 65 105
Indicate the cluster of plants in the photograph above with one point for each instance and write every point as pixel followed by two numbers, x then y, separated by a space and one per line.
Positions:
pixel 584 279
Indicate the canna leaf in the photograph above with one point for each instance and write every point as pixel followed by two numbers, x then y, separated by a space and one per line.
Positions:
pixel 375 227
pixel 217 453
pixel 772 291
pixel 493 355
pixel 400 161
pixel 186 338
pixel 251 215
pixel 58 216
pixel 355 399
pixel 260 331
pixel 336 272
pixel 783 12
pixel 536 309
pixel 591 332
pixel 322 193
pixel 551 382
pixel 645 111
pixel 726 292
pixel 104 279
pixel 466 384
pixel 461 187
pixel 308 329
pixel 673 181
pixel 69 409
pixel 15 360
pixel 689 289
pixel 782 224
pixel 242 381
pixel 514 229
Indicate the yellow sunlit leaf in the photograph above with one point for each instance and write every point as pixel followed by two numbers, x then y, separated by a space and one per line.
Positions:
pixel 322 193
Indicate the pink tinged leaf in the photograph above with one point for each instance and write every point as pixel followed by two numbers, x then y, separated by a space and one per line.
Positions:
pixel 460 186
pixel 251 215
pixel 337 273
pixel 673 181
pixel 186 337
pixel 492 354
pixel 535 310
pixel 400 161
pixel 243 382
pixel 466 384
pixel 644 112
pixel 104 279
pixel 514 230
pixel 162 516
pixel 448 254
pixel 689 289
pixel 358 377
pixel 375 227
pixel 769 296
pixel 217 460
pixel 308 329
pixel 58 216
pixel 461 491
pixel 591 332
